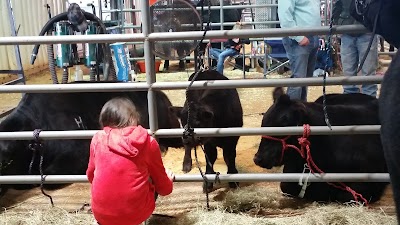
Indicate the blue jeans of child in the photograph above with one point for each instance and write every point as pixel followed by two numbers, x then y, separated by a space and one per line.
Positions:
pixel 221 55
pixel 302 61
pixel 352 51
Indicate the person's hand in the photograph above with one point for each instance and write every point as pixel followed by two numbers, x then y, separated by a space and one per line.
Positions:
pixel 238 47
pixel 304 42
pixel 170 174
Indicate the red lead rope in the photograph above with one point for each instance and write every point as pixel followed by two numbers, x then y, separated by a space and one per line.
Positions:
pixel 305 153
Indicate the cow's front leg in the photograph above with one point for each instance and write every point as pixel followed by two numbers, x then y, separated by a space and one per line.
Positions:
pixel 187 159
pixel 210 157
pixel 229 151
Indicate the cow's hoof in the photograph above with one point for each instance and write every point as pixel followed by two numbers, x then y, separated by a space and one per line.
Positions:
pixel 181 65
pixel 233 184
pixel 187 167
pixel 207 187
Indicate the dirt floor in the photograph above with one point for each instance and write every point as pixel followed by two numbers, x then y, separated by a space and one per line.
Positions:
pixel 186 196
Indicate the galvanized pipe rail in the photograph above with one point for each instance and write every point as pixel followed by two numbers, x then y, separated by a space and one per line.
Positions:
pixel 170 36
pixel 203 132
pixel 241 177
pixel 212 84
pixel 199 8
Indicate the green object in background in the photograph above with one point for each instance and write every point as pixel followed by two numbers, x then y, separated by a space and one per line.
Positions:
pixel 63 50
pixel 90 48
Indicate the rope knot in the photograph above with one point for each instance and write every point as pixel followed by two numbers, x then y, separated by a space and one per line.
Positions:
pixel 303 141
pixel 188 133
pixel 36 144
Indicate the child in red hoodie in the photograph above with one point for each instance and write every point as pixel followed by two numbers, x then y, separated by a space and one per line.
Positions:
pixel 125 167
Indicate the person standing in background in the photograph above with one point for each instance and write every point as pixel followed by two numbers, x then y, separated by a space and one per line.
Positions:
pixel 353 48
pixel 301 50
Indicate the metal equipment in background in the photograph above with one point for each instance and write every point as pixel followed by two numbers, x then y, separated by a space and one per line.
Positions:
pixel 67 54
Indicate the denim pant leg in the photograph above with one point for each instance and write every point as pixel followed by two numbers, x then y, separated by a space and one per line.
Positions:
pixel 349 58
pixel 215 52
pixel 312 60
pixel 299 57
pixel 371 62
pixel 221 58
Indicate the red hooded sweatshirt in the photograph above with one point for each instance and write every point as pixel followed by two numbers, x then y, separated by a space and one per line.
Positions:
pixel 120 165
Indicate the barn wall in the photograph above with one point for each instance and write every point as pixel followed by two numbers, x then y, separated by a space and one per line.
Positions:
pixel 31 16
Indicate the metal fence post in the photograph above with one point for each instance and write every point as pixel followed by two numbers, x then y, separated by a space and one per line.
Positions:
pixel 149 65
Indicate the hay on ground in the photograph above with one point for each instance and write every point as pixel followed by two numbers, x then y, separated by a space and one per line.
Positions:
pixel 252 205
pixel 325 215
pixel 52 215
pixel 256 205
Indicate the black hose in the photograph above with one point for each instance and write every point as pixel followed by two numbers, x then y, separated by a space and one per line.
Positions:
pixel 50 53
pixel 92 74
pixel 48 26
pixel 98 56
pixel 112 72
pixel 65 75
pixel 91 17
pixel 52 65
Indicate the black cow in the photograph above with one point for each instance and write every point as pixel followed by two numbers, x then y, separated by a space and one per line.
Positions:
pixel 68 111
pixel 350 99
pixel 331 153
pixel 212 108
pixel 230 15
pixel 389 111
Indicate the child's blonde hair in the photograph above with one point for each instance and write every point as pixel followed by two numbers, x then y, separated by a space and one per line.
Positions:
pixel 119 112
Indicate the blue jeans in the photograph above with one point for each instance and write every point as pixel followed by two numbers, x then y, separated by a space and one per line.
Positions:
pixel 302 61
pixel 352 50
pixel 221 55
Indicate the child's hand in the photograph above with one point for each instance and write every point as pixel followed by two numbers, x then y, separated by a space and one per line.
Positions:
pixel 170 174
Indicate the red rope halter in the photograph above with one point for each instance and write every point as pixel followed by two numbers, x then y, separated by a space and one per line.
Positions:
pixel 305 153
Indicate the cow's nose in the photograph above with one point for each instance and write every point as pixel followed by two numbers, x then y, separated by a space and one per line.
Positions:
pixel 257 160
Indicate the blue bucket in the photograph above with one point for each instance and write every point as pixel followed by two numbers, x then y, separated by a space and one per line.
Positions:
pixel 120 56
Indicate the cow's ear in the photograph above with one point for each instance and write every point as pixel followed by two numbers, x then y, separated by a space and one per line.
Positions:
pixel 300 113
pixel 277 92
pixel 284 99
pixel 207 114
pixel 176 110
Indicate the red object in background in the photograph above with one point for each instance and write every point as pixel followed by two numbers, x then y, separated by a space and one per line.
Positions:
pixel 142 67
pixel 151 2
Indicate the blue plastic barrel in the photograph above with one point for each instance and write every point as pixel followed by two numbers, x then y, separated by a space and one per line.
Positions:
pixel 120 56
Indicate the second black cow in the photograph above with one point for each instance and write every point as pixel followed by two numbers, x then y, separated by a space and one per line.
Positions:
pixel 67 111
pixel 361 153
pixel 212 108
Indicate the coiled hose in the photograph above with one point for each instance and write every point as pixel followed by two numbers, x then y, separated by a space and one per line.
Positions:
pixel 107 70
pixel 65 74
pixel 99 55
pixel 92 74
pixel 52 66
